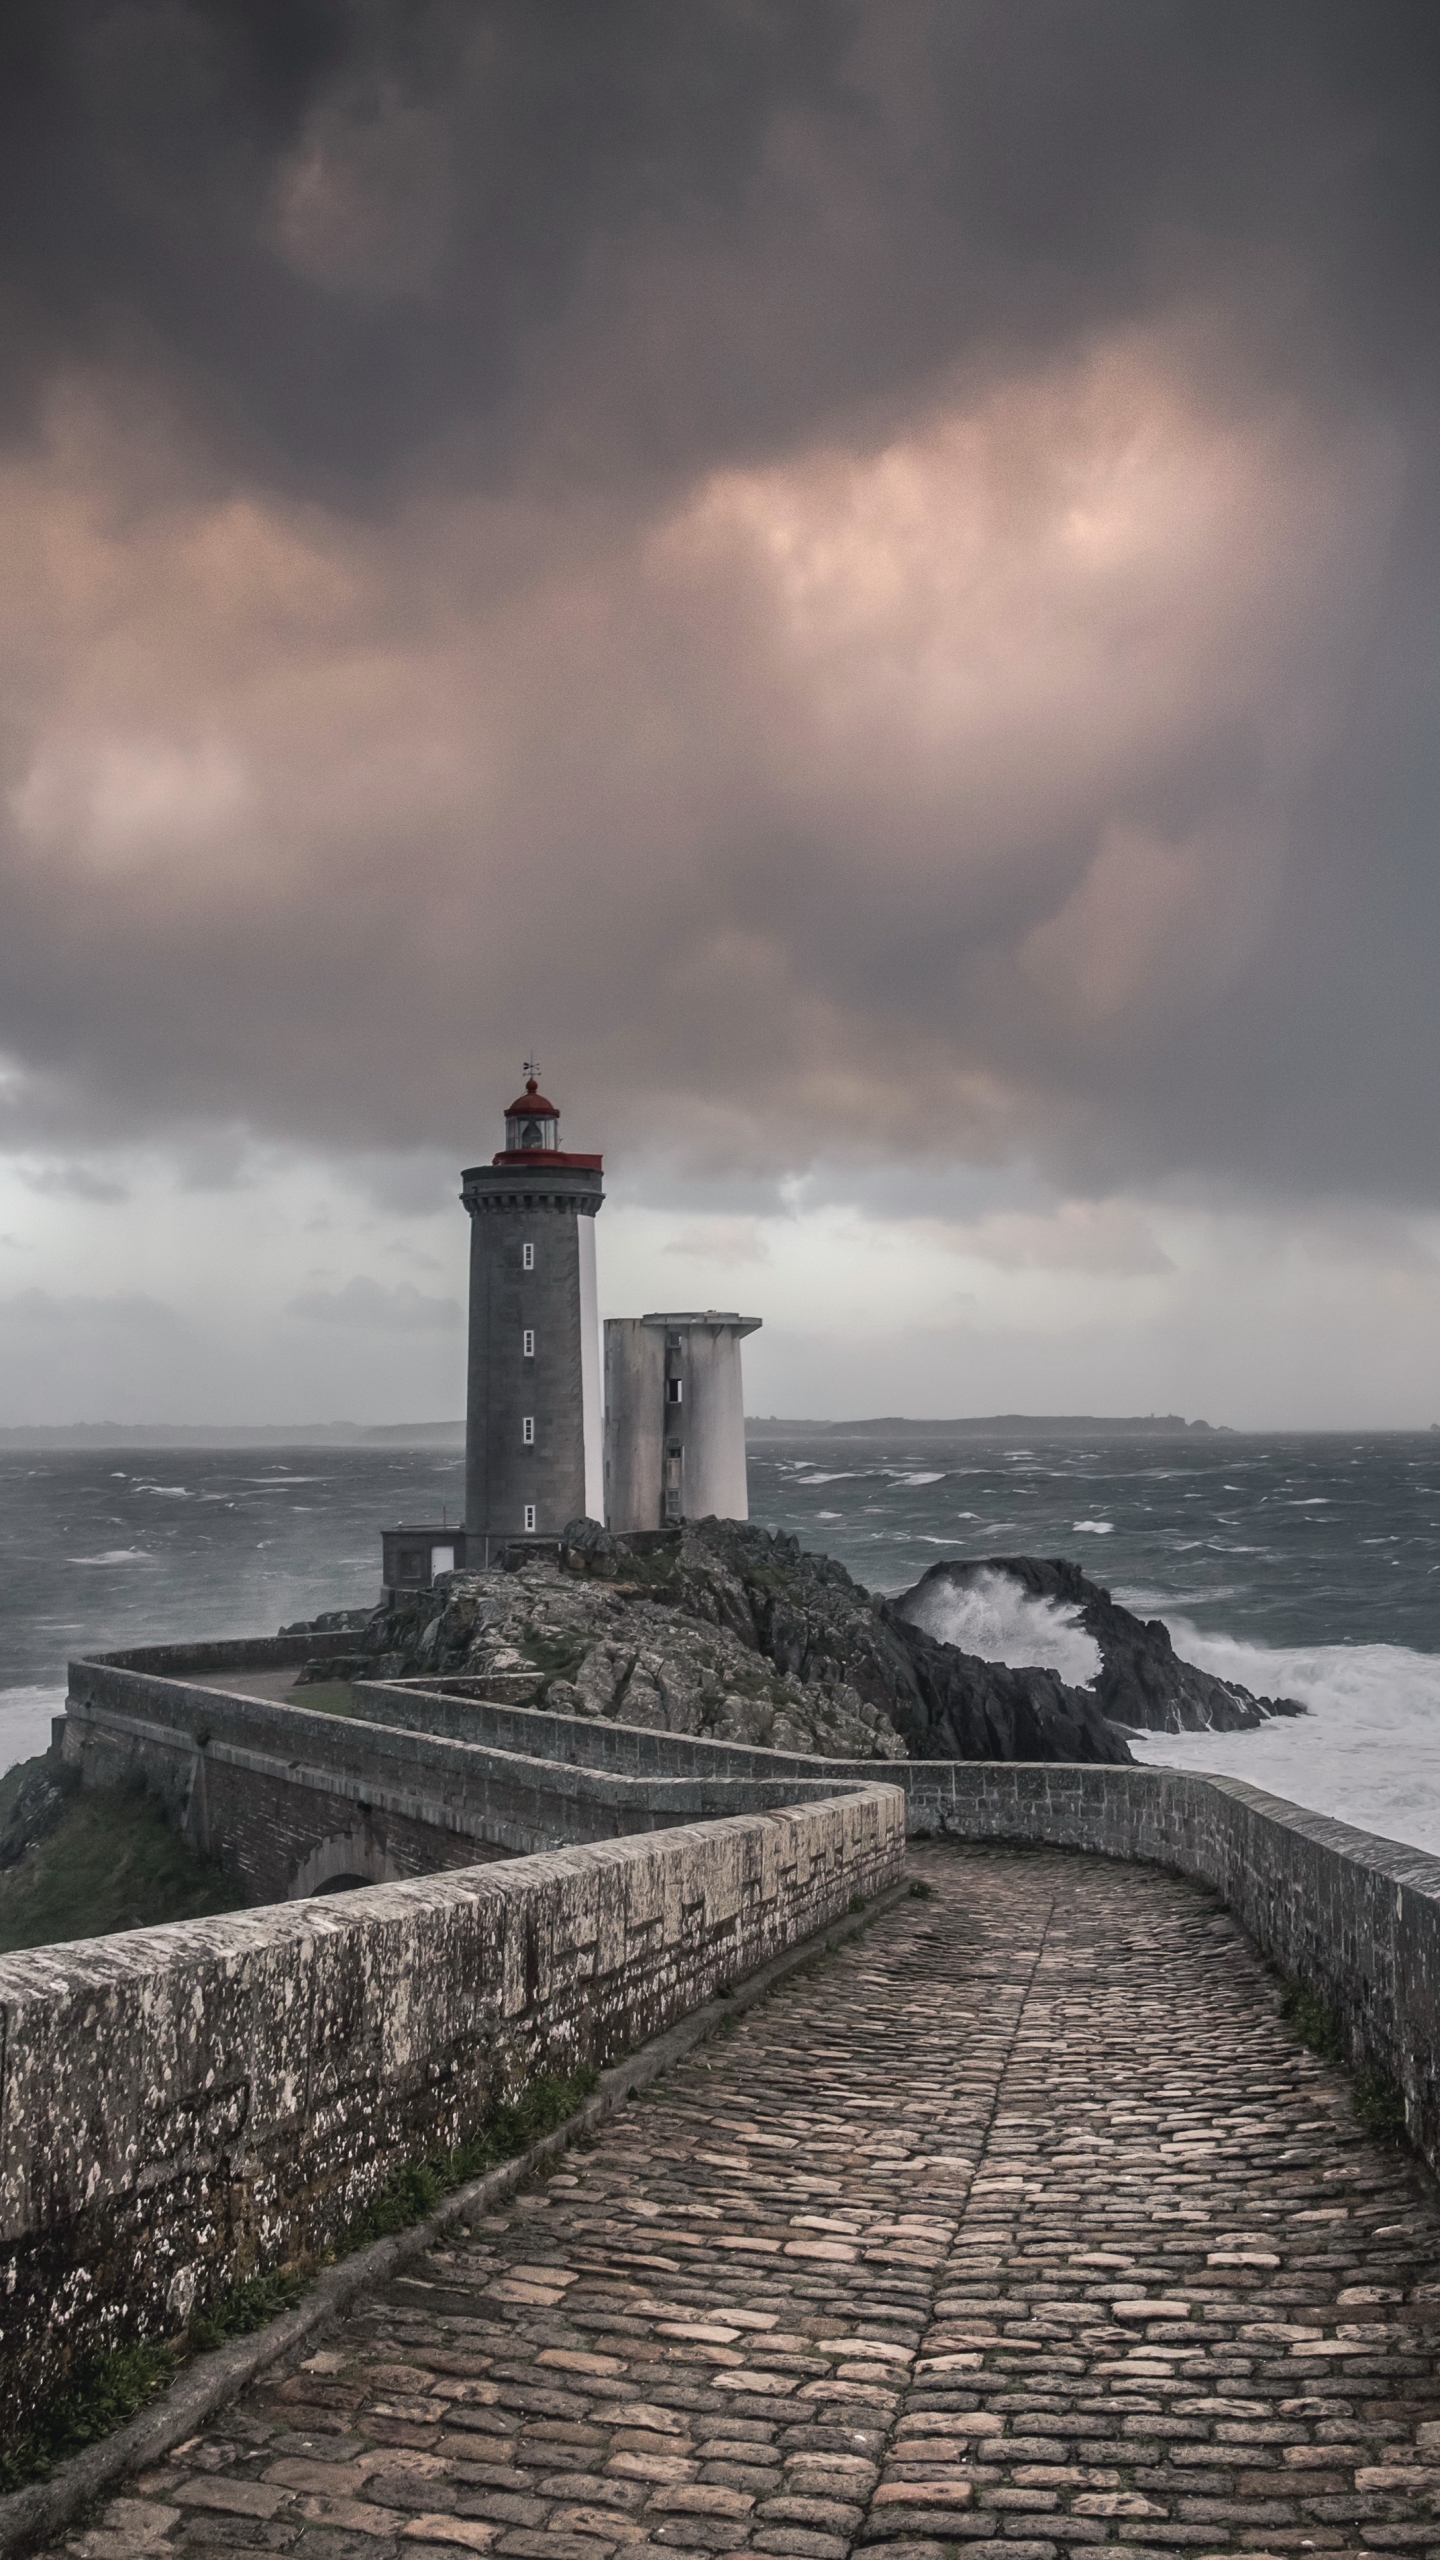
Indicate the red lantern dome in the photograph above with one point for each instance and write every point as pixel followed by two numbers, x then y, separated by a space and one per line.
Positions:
pixel 532 1131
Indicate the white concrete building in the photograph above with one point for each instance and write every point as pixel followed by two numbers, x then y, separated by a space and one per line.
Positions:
pixel 675 1419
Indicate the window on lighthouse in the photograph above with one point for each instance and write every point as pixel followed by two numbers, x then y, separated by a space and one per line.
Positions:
pixel 527 1430
pixel 527 1257
pixel 527 1344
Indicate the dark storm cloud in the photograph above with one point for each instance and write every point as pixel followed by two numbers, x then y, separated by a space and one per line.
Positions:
pixel 349 227
pixel 865 574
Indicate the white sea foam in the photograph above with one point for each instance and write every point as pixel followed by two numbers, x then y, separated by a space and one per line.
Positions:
pixel 996 1617
pixel 25 1723
pixel 1096 1528
pixel 1367 1752
pixel 114 1555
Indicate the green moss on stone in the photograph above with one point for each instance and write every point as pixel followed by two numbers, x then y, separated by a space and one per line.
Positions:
pixel 421 2187
pixel 110 1862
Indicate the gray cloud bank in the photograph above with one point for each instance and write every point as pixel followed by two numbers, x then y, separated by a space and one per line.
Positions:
pixel 864 575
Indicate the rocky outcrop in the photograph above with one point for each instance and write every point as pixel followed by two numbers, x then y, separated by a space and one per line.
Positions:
pixel 1142 1685
pixel 969 1709
pixel 724 1630
pixel 655 1631
pixel 36 1796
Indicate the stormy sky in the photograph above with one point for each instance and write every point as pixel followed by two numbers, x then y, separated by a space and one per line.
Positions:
pixel 861 577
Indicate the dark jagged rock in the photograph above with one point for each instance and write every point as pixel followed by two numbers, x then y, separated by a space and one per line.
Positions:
pixel 976 1710
pixel 808 1615
pixel 1143 1685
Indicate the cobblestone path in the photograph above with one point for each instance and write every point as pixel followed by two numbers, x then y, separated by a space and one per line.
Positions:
pixel 1022 2222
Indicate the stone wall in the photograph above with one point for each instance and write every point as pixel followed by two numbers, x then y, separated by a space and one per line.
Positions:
pixel 183 2106
pixel 286 1798
pixel 1355 1917
pixel 456 1706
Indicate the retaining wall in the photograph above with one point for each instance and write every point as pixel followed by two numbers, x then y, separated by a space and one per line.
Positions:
pixel 182 2106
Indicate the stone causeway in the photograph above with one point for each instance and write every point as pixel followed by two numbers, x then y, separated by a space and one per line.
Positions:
pixel 1019 2222
pixel 1014 2217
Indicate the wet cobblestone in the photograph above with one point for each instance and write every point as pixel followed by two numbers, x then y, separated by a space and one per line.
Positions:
pixel 1020 2224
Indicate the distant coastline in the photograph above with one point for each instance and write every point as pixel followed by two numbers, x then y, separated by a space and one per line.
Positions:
pixel 759 1428
pixel 451 1435
pixel 992 1426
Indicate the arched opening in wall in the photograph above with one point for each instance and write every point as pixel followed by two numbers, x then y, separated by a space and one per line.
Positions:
pixel 344 1863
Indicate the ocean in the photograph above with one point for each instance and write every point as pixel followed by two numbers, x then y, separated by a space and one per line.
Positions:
pixel 1303 1565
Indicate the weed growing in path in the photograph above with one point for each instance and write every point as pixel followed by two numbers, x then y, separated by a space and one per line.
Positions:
pixel 105 2395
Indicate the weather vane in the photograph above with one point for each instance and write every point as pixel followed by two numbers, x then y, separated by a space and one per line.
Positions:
pixel 532 1066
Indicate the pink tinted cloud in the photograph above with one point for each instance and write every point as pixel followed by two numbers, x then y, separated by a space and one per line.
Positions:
pixel 879 795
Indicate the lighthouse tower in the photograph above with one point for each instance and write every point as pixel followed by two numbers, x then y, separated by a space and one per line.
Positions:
pixel 533 1455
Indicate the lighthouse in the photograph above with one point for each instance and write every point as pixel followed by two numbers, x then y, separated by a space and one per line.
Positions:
pixel 533 1456
pixel 538 1455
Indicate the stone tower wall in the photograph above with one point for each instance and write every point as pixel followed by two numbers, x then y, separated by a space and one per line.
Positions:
pixel 559 1472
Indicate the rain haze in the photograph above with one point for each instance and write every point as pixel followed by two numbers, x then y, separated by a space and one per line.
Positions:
pixel 862 581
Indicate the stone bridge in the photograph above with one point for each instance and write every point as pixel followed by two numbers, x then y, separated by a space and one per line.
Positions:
pixel 1022 2224
pixel 293 1800
pixel 1020 2220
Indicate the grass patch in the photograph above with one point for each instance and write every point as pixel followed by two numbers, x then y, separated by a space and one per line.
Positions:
pixel 247 2307
pixel 110 1862
pixel 922 1892
pixel 327 1697
pixel 1314 2023
pixel 1380 2107
pixel 557 1656
pixel 109 2392
pixel 652 1572
pixel 412 2193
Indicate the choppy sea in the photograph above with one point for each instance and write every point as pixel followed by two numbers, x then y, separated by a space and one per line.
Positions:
pixel 1302 1565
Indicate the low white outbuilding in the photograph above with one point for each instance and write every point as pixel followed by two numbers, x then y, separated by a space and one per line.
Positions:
pixel 675 1419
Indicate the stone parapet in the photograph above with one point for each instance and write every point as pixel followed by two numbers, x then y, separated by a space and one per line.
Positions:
pixel 188 2105
pixel 1356 1918
pixel 285 1797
